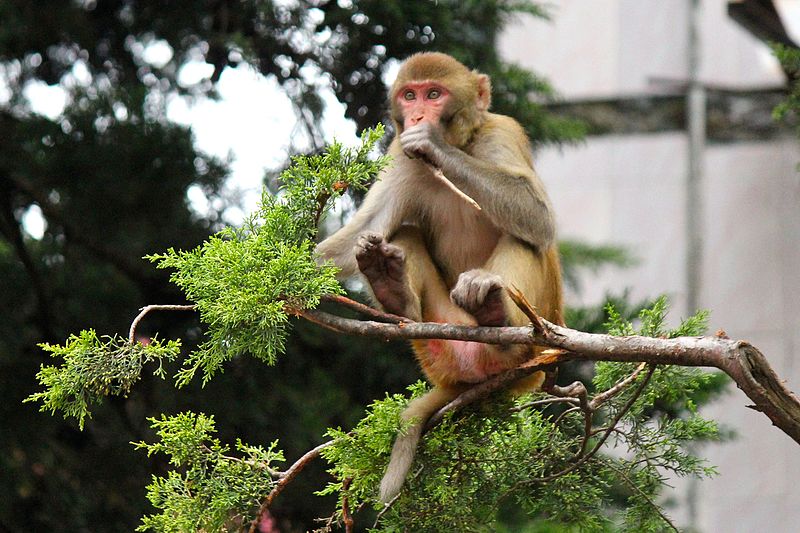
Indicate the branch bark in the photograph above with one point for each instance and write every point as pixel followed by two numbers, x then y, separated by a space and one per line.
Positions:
pixel 740 360
pixel 285 479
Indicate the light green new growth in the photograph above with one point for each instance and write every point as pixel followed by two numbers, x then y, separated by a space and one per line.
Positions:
pixel 245 282
pixel 93 368
pixel 209 490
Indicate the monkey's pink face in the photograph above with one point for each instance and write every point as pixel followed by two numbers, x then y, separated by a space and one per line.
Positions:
pixel 421 102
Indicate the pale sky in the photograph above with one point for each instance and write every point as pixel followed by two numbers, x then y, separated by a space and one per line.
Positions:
pixel 253 123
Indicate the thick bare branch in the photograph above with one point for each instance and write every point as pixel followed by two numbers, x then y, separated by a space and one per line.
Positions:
pixel 744 363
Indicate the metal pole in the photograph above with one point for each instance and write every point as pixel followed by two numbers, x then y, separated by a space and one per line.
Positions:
pixel 696 134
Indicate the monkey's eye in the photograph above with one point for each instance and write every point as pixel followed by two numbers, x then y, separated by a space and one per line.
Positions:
pixel 433 94
pixel 409 95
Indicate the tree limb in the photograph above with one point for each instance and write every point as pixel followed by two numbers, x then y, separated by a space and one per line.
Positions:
pixel 744 363
pixel 740 360
pixel 285 479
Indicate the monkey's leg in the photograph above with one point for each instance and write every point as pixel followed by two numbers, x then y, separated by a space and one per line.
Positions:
pixel 481 292
pixel 404 279
pixel 384 266
pixel 405 445
pixel 512 263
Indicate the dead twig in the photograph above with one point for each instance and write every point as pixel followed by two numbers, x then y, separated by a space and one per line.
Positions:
pixel 147 309
pixel 437 173
pixel 526 307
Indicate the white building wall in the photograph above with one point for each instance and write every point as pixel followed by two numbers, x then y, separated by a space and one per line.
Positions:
pixel 630 190
pixel 609 48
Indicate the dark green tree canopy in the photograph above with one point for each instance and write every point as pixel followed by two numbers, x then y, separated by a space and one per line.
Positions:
pixel 110 176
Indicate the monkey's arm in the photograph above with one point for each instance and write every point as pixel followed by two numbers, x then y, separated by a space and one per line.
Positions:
pixel 381 212
pixel 499 176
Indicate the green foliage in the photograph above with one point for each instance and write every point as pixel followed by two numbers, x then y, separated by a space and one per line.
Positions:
pixel 93 368
pixel 244 281
pixel 535 459
pixel 210 490
pixel 362 454
pixel 577 256
pixel 790 60
pixel 674 386
pixel 595 318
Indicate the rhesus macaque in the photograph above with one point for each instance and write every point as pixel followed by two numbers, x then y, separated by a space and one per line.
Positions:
pixel 429 254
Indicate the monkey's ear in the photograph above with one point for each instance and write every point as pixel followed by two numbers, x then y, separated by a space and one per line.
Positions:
pixel 484 92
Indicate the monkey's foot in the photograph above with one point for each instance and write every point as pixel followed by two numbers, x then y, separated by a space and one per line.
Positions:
pixel 480 293
pixel 383 264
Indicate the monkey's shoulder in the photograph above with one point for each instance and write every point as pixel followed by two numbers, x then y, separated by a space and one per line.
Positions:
pixel 501 137
pixel 497 123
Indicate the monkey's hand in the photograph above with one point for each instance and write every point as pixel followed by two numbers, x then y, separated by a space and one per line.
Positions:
pixel 425 141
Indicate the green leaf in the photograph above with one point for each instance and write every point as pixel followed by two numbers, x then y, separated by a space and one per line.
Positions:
pixel 93 368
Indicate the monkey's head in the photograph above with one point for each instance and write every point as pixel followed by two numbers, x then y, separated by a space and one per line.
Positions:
pixel 434 87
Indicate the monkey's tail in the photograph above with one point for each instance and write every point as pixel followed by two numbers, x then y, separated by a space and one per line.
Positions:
pixel 405 445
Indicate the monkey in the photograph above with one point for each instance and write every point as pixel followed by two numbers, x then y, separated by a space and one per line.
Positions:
pixel 432 253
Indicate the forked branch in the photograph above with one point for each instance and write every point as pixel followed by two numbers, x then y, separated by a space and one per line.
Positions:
pixel 740 360
pixel 744 363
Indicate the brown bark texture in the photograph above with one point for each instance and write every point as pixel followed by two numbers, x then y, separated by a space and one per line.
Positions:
pixel 740 360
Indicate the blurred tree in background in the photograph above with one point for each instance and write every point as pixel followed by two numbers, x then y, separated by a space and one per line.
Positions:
pixel 110 175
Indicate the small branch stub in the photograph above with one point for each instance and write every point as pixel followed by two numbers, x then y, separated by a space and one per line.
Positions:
pixel 147 309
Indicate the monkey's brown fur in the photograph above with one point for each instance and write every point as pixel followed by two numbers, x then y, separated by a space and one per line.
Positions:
pixel 429 255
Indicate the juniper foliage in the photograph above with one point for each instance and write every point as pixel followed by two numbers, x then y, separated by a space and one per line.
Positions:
pixel 536 459
pixel 208 489
pixel 244 282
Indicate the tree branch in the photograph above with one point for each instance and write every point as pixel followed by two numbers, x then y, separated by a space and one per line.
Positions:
pixel 144 310
pixel 628 481
pixel 366 310
pixel 285 479
pixel 740 360
pixel 744 363
pixel 347 518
